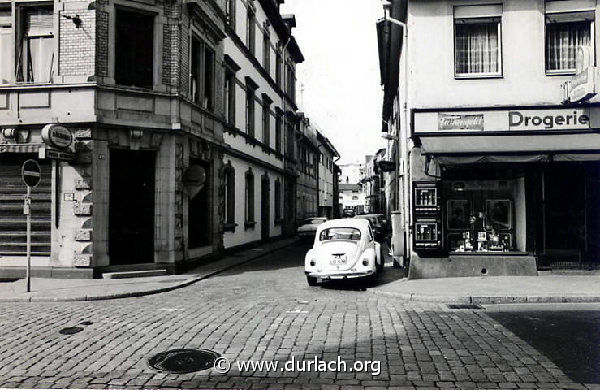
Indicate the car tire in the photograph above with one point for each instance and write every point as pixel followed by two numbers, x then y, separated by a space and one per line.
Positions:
pixel 312 281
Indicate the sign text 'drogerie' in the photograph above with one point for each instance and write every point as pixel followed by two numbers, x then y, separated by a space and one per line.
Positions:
pixel 549 119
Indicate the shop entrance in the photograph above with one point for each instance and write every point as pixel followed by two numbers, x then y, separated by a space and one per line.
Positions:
pixel 131 206
pixel 265 208
pixel 571 215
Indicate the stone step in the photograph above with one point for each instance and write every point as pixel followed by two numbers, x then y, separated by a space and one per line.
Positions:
pixel 134 274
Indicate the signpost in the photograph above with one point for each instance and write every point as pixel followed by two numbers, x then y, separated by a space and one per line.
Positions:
pixel 31 174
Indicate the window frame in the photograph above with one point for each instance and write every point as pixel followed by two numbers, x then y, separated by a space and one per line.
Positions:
pixel 251 110
pixel 278 132
pixel 198 98
pixel 277 195
pixel 9 30
pixel 251 31
pixel 483 75
pixel 249 197
pixel 266 122
pixel 229 198
pixel 229 89
pixel 267 51
pixel 230 7
pixel 568 72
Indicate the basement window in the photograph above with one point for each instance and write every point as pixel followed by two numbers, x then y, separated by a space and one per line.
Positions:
pixel 134 49
pixel 35 45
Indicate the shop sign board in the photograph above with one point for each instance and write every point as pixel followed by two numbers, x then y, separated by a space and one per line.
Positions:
pixel 583 85
pixel 54 154
pixel 460 121
pixel 57 136
pixel 549 119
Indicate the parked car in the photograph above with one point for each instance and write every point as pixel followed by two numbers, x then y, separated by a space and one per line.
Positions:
pixel 343 249
pixel 309 227
pixel 348 213
pixel 378 224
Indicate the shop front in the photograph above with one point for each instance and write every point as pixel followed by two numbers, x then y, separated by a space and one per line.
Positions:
pixel 512 203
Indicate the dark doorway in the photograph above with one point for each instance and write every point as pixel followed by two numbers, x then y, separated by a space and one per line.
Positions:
pixel 199 215
pixel 131 206
pixel 564 214
pixel 265 208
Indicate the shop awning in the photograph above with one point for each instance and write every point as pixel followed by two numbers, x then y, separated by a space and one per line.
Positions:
pixel 20 148
pixel 515 148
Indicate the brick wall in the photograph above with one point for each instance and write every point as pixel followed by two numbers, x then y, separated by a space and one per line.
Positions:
pixel 77 45
pixel 101 43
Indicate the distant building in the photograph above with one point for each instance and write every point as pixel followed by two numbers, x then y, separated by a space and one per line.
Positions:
pixel 307 157
pixel 328 177
pixel 352 197
pixel 350 173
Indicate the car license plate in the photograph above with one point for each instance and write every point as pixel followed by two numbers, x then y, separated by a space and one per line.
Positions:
pixel 338 260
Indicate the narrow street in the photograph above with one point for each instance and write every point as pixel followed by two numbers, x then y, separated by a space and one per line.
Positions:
pixel 265 311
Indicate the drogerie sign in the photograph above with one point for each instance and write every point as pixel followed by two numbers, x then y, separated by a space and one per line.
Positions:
pixel 549 119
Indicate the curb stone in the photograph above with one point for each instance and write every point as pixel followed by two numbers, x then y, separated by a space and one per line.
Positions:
pixel 487 300
pixel 134 294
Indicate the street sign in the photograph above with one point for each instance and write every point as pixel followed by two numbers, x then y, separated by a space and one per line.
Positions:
pixel 57 136
pixel 53 154
pixel 31 173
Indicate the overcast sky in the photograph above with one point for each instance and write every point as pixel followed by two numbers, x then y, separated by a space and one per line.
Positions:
pixel 340 75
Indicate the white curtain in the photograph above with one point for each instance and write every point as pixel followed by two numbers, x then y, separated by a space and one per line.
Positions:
pixel 477 48
pixel 562 41
pixel 5 49
pixel 38 47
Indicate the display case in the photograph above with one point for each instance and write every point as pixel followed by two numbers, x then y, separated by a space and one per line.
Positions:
pixel 427 217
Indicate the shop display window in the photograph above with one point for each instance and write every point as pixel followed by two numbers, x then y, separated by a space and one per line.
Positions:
pixel 458 212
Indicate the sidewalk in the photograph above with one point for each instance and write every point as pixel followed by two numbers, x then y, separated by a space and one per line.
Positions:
pixel 548 287
pixel 43 289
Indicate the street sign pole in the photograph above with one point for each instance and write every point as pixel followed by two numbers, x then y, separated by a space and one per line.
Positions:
pixel 32 175
pixel 28 213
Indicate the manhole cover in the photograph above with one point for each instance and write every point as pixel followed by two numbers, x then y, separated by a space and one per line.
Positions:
pixel 465 307
pixel 70 330
pixel 183 361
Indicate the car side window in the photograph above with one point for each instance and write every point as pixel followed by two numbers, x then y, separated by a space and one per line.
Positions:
pixel 370 234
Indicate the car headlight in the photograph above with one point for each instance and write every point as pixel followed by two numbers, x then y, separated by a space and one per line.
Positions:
pixel 365 262
pixel 312 262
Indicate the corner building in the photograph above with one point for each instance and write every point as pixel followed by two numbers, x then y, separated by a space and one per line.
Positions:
pixel 503 150
pixel 138 86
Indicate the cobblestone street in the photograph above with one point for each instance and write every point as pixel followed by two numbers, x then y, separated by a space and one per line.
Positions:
pixel 265 311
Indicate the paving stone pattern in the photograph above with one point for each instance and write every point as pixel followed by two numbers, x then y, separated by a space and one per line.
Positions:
pixel 265 311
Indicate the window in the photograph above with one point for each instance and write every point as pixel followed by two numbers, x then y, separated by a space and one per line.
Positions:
pixel 278 64
pixel 291 83
pixel 250 89
pixel 266 122
pixel 565 33
pixel 230 11
pixel 229 196
pixel 267 52
pixel 6 69
pixel 203 74
pixel 229 98
pixel 249 198
pixel 278 131
pixel 277 200
pixel 340 233
pixel 477 34
pixel 477 47
pixel 251 31
pixel 35 45
pixel 134 48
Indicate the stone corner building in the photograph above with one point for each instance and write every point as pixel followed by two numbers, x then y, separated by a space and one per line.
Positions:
pixel 143 89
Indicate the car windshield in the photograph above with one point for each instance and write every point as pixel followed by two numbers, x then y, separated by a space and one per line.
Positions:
pixel 340 233
pixel 314 221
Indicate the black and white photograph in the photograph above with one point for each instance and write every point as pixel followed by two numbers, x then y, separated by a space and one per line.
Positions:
pixel 299 194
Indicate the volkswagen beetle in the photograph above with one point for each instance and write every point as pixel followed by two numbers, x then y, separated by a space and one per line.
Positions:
pixel 343 249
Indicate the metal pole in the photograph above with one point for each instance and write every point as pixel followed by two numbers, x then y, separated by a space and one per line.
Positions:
pixel 28 211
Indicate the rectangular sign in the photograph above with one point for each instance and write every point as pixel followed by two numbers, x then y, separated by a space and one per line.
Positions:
pixel 460 121
pixel 555 119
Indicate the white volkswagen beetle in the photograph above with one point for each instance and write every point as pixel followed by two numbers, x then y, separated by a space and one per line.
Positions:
pixel 343 249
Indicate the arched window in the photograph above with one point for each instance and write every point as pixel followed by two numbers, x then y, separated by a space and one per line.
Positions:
pixel 229 196
pixel 249 198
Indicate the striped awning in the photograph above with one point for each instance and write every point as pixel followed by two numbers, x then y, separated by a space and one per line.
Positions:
pixel 20 148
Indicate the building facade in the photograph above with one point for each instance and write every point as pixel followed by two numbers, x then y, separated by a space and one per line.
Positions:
pixel 327 186
pixel 260 88
pixel 150 121
pixel 308 156
pixel 373 184
pixel 499 134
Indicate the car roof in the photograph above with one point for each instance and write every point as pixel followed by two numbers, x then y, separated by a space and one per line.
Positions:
pixel 361 224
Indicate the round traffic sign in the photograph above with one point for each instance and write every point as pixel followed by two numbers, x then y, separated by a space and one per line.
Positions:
pixel 31 173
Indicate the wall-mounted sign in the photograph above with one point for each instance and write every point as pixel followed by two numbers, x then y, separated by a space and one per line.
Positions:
pixel 460 121
pixel 57 136
pixel 583 85
pixel 53 154
pixel 549 119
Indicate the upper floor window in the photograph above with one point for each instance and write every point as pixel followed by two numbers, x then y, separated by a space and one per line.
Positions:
pixel 35 45
pixel 267 53
pixel 251 31
pixel 278 132
pixel 203 74
pixel 229 98
pixel 278 64
pixel 266 121
pixel 134 48
pixel 565 33
pixel 6 69
pixel 230 12
pixel 250 106
pixel 477 37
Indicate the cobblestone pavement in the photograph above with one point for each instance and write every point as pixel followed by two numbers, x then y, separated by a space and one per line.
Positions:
pixel 266 311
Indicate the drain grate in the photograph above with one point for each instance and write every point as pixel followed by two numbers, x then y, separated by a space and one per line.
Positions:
pixel 465 307
pixel 183 361
pixel 70 330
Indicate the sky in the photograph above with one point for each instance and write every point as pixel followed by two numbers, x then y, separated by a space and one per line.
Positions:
pixel 340 75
